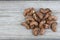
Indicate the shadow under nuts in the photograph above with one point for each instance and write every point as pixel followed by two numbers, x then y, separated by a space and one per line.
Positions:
pixel 39 20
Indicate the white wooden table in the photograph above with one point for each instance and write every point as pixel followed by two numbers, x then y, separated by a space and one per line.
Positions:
pixel 11 16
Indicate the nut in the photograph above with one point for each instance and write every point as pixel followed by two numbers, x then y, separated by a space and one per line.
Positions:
pixel 35 17
pixel 42 10
pixel 53 26
pixel 26 11
pixel 40 20
pixel 26 25
pixel 42 31
pixel 47 10
pixel 35 31
pixel 40 15
pixel 46 26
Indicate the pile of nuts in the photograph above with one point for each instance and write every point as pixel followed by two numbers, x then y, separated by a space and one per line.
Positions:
pixel 40 20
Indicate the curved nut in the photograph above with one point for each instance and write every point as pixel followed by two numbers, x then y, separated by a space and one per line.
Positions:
pixel 34 23
pixel 41 24
pixel 42 10
pixel 35 31
pixel 42 31
pixel 47 10
pixel 29 11
pixel 52 18
pixel 40 15
pixel 50 22
pixel 35 17
pixel 26 25
pixel 26 11
pixel 29 19
pixel 53 26
pixel 46 26
pixel 46 16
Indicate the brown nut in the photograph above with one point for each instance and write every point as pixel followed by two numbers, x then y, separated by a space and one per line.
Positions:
pixel 46 16
pixel 52 18
pixel 50 22
pixel 41 24
pixel 35 17
pixel 26 25
pixel 35 31
pixel 42 10
pixel 47 10
pixel 46 26
pixel 42 31
pixel 40 15
pixel 29 19
pixel 53 26
pixel 34 23
pixel 26 11
pixel 29 11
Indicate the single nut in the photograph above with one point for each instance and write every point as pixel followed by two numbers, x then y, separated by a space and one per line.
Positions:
pixel 42 31
pixel 46 16
pixel 26 25
pixel 41 24
pixel 35 31
pixel 26 11
pixel 34 23
pixel 42 10
pixel 29 19
pixel 52 18
pixel 40 15
pixel 46 26
pixel 29 11
pixel 47 10
pixel 35 17
pixel 53 26
pixel 50 22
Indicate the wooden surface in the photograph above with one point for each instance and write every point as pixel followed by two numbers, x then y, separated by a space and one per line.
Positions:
pixel 11 16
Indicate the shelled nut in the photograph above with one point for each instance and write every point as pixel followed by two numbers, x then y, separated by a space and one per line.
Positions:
pixel 40 20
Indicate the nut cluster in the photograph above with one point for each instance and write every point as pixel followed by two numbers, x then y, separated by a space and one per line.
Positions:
pixel 40 20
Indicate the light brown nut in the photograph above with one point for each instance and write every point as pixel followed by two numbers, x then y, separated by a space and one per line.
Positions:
pixel 41 24
pixel 50 22
pixel 34 23
pixel 53 26
pixel 35 31
pixel 26 11
pixel 42 31
pixel 47 10
pixel 29 11
pixel 42 10
pixel 26 25
pixel 46 26
pixel 29 19
pixel 40 15
pixel 52 18
pixel 46 16
pixel 36 17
